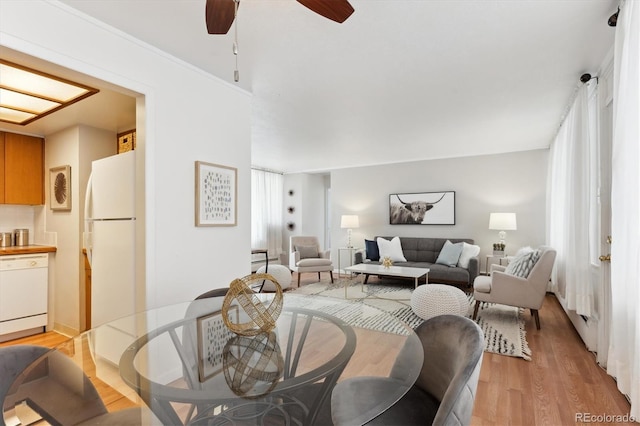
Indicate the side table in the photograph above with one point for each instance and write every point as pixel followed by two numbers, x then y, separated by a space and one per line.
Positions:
pixel 491 259
pixel 351 251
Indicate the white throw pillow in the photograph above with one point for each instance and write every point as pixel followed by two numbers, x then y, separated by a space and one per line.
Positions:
pixel 468 251
pixel 391 249
pixel 522 265
pixel 523 250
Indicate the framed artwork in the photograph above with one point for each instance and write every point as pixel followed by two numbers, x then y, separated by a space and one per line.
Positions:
pixel 423 208
pixel 216 195
pixel 60 188
pixel 213 336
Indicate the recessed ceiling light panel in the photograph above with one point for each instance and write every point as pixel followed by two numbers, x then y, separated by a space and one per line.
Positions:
pixel 27 94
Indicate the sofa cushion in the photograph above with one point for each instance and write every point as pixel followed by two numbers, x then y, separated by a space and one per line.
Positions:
pixel 307 252
pixel 371 248
pixel 450 254
pixel 442 273
pixel 391 249
pixel 314 262
pixel 424 249
pixel 468 251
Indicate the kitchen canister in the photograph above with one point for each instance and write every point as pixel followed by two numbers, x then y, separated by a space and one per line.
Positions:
pixel 6 239
pixel 21 237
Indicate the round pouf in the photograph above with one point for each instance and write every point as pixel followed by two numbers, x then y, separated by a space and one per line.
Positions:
pixel 431 300
pixel 281 273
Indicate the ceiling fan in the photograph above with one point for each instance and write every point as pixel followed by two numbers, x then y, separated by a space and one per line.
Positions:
pixel 219 14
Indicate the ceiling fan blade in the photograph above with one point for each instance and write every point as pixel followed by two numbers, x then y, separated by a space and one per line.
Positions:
pixel 219 15
pixel 336 10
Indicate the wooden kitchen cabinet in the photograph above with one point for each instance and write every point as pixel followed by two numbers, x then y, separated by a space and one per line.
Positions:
pixel 21 169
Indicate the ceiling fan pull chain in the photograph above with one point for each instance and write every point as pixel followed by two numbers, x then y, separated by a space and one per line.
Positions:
pixel 236 73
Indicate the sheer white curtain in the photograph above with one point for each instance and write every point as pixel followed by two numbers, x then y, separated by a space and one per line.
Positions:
pixel 624 348
pixel 572 201
pixel 266 211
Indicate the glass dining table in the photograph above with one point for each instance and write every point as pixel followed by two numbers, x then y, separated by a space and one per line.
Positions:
pixel 180 364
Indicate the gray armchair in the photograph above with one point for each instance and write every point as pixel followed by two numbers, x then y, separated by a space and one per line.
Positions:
pixel 444 393
pixel 305 255
pixel 54 383
pixel 512 290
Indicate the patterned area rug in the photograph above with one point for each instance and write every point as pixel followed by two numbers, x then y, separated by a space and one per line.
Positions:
pixel 503 326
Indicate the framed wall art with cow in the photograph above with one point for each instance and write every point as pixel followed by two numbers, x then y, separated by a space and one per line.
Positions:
pixel 423 208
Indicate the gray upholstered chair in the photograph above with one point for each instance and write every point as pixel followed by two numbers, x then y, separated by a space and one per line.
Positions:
pixel 13 361
pixel 305 255
pixel 216 292
pixel 508 289
pixel 444 392
pixel 56 384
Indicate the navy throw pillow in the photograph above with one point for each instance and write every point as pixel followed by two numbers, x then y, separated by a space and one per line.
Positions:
pixel 371 248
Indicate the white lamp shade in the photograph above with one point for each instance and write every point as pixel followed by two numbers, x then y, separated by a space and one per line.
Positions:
pixel 502 221
pixel 349 221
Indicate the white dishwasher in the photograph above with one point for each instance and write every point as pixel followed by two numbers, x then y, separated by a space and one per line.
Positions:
pixel 23 293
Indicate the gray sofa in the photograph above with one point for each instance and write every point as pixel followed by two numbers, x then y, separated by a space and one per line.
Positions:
pixel 422 252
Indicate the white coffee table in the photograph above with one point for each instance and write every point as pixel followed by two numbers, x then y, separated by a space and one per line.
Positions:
pixel 367 269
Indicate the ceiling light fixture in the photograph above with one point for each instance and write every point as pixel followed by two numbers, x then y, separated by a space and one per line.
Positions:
pixel 27 94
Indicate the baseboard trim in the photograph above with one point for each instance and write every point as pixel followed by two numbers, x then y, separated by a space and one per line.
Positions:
pixel 65 330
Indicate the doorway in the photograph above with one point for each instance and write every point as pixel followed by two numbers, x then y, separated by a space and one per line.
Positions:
pixel 72 136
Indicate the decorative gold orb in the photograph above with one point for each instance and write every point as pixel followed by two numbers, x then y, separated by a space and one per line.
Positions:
pixel 262 318
pixel 387 262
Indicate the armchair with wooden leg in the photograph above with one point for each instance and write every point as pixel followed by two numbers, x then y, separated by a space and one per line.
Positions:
pixel 305 255
pixel 510 289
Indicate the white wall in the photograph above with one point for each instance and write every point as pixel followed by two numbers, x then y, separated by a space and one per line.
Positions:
pixel 308 199
pixel 183 115
pixel 76 146
pixel 15 216
pixel 514 182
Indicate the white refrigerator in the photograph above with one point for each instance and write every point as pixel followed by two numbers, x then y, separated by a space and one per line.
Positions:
pixel 110 226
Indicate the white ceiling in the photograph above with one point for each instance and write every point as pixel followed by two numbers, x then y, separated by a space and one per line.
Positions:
pixel 400 80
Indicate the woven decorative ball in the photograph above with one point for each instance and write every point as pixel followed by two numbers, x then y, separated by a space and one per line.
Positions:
pixel 252 365
pixel 431 300
pixel 280 272
pixel 261 317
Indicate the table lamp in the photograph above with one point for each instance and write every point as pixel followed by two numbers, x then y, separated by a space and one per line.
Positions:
pixel 502 222
pixel 349 221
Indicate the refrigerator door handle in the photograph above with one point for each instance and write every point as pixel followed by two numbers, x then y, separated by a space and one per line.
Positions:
pixel 88 242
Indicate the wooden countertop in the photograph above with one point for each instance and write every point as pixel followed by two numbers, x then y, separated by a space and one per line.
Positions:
pixel 32 249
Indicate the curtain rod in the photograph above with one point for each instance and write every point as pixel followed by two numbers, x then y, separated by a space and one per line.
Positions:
pixel 572 99
pixel 262 169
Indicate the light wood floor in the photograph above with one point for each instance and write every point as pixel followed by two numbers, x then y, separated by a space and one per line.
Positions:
pixel 561 381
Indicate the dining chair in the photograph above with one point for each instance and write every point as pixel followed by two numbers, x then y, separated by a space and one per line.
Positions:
pixel 444 392
pixel 56 388
pixel 216 292
pixel 13 361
